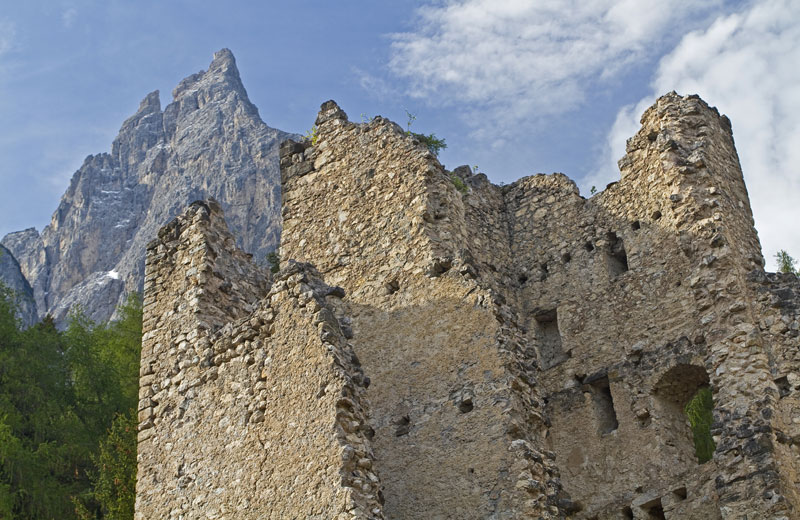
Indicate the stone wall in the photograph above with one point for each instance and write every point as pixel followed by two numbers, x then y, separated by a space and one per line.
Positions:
pixel 622 306
pixel 457 418
pixel 526 352
pixel 250 396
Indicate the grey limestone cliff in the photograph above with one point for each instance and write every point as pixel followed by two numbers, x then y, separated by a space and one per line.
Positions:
pixel 208 142
pixel 11 277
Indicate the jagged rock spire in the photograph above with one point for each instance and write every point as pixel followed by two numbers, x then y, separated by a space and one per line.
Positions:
pixel 208 142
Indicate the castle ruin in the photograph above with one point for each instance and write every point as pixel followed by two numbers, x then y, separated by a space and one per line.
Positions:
pixel 494 352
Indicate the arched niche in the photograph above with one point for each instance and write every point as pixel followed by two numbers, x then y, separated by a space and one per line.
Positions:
pixel 673 391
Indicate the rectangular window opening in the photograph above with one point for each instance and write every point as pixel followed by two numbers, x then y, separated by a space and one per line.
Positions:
pixel 656 511
pixel 784 388
pixel 616 257
pixel 603 405
pixel 548 339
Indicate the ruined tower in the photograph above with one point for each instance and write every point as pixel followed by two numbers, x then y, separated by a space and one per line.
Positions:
pixel 464 350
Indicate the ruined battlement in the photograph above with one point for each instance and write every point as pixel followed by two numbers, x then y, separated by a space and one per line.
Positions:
pixel 498 352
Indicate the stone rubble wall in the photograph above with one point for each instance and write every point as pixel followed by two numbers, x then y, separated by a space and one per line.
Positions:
pixel 526 352
pixel 646 282
pixel 458 421
pixel 779 304
pixel 690 146
pixel 251 398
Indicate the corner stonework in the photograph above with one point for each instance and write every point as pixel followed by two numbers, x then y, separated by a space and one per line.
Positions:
pixel 251 398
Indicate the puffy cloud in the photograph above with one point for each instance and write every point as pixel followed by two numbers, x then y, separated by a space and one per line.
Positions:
pixel 517 60
pixel 746 64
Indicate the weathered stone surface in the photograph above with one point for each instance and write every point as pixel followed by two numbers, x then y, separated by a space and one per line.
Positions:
pixel 12 278
pixel 208 142
pixel 27 245
pixel 526 352
pixel 251 398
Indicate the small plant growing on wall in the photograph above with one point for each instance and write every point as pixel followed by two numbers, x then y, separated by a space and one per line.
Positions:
pixel 274 262
pixel 458 183
pixel 433 143
pixel 786 264
pixel 312 134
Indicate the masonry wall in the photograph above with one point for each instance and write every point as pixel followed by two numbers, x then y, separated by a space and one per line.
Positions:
pixel 457 419
pixel 622 305
pixel 489 352
pixel 251 397
pixel 779 305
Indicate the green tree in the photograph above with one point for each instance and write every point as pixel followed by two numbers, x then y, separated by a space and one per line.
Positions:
pixel 106 361
pixel 44 451
pixel 67 401
pixel 699 410
pixel 786 264
pixel 114 480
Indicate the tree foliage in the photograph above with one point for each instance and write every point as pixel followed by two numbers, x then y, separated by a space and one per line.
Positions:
pixel 274 262
pixel 60 393
pixel 699 410
pixel 433 143
pixel 786 264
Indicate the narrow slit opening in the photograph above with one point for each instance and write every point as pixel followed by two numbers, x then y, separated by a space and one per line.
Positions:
pixel 616 257
pixel 548 338
pixel 603 402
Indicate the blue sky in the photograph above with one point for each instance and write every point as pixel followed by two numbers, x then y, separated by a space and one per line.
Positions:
pixel 515 87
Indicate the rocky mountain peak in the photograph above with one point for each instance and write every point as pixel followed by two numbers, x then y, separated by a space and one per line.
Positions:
pixel 222 75
pixel 12 278
pixel 224 61
pixel 151 103
pixel 208 142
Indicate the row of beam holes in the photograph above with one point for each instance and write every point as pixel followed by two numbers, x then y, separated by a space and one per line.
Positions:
pixel 653 509
pixel 617 257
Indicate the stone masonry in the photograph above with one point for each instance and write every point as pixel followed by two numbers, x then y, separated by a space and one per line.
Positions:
pixel 430 352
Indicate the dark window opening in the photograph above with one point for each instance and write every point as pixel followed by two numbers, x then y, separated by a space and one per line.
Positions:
pixel 784 388
pixel 627 513
pixel 616 257
pixel 392 286
pixel 566 257
pixel 656 215
pixel 685 410
pixel 655 510
pixel 522 279
pixel 636 226
pixel 548 339
pixel 588 246
pixel 680 493
pixel 441 266
pixel 603 405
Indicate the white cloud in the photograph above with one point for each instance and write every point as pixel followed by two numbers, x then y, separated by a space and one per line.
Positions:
pixel 746 64
pixel 68 17
pixel 518 60
pixel 8 33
